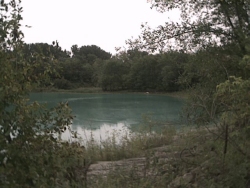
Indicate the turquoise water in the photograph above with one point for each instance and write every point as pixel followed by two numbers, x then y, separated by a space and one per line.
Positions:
pixel 101 113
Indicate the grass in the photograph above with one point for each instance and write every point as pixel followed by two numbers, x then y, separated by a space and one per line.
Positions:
pixel 126 145
pixel 188 158
pixel 136 146
pixel 151 172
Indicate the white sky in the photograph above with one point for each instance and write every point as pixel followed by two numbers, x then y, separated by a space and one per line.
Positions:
pixel 105 23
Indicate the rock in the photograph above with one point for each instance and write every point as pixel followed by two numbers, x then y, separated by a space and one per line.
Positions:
pixel 104 167
pixel 182 180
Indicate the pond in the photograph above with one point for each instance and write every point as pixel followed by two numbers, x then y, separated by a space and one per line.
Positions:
pixel 100 114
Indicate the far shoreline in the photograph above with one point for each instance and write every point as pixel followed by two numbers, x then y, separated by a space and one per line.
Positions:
pixel 97 90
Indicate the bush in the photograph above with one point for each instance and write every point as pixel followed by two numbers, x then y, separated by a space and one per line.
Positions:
pixel 63 84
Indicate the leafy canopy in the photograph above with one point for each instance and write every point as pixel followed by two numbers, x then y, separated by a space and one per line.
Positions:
pixel 202 23
pixel 31 153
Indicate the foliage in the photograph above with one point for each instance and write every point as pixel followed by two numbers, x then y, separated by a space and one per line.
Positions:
pixel 213 62
pixel 76 71
pixel 139 71
pixel 173 64
pixel 215 35
pixel 90 66
pixel 62 84
pixel 113 75
pixel 192 158
pixel 122 144
pixel 202 23
pixel 31 50
pixel 89 53
pixel 32 154
pixel 233 97
pixel 51 55
pixel 144 74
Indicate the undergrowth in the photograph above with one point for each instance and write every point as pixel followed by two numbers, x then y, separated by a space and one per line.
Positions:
pixel 125 144
pixel 189 158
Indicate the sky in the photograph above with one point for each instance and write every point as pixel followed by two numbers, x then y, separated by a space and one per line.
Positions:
pixel 105 23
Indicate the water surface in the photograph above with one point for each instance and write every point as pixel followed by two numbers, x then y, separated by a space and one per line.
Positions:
pixel 100 113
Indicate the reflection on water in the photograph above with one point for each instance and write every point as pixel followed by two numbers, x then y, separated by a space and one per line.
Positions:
pixel 105 131
pixel 101 113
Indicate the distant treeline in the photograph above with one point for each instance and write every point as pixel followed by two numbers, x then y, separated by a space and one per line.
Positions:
pixel 134 70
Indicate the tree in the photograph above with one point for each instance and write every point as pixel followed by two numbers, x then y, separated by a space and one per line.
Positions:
pixel 148 72
pixel 80 68
pixel 203 23
pixel 173 64
pixel 89 53
pixel 113 75
pixel 30 50
pixel 215 33
pixel 51 54
pixel 145 74
pixel 77 71
pixel 32 154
